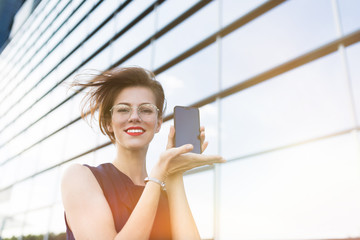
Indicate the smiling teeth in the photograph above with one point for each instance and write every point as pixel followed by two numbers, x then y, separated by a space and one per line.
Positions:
pixel 135 130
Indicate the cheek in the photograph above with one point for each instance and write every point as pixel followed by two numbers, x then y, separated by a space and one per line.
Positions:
pixel 114 124
pixel 151 125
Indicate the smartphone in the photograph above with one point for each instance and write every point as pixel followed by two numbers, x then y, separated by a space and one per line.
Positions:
pixel 187 127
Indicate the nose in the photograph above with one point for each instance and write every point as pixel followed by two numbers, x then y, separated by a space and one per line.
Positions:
pixel 134 116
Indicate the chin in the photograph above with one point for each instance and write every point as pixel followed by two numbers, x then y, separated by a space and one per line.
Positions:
pixel 134 143
pixel 133 146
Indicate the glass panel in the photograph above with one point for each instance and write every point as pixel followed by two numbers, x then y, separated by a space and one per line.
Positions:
pixel 128 14
pixel 310 191
pixel 282 34
pixel 53 150
pixel 104 155
pixel 13 148
pixel 200 194
pixel 199 26
pixel 58 35
pixel 81 138
pixel 20 197
pixel 58 118
pixel 308 102
pixel 68 66
pixel 83 11
pixel 4 155
pixel 142 59
pixel 5 196
pixel 99 39
pixel 353 57
pixel 158 145
pixel 29 162
pixel 36 222
pixel 350 17
pixel 8 172
pixel 57 220
pixel 85 159
pixel 38 110
pixel 209 119
pixel 77 36
pixel 75 104
pixel 31 135
pixel 234 9
pixel 170 10
pixel 13 226
pixel 103 12
pixel 100 62
pixel 134 36
pixel 44 189
pixel 194 78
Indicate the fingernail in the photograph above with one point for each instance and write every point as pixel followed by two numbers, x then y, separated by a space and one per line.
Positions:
pixel 189 146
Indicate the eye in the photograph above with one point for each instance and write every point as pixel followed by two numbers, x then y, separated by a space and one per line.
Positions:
pixel 146 109
pixel 122 109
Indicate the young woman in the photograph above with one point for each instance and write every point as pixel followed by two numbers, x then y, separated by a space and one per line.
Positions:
pixel 119 199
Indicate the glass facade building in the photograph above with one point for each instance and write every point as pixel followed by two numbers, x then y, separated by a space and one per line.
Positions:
pixel 277 84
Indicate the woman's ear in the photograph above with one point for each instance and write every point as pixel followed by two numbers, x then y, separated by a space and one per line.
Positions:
pixel 110 128
pixel 158 127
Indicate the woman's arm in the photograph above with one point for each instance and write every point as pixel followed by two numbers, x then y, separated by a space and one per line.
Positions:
pixel 89 214
pixel 182 222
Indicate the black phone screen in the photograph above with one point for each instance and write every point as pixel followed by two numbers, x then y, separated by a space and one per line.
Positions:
pixel 187 127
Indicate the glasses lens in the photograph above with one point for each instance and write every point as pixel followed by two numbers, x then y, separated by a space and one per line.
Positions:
pixel 147 112
pixel 121 110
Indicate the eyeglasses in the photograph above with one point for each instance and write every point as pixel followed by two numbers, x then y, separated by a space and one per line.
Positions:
pixel 146 111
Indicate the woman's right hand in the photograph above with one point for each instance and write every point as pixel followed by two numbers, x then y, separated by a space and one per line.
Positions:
pixel 177 160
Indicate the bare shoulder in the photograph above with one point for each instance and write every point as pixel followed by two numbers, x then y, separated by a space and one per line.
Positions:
pixel 78 180
pixel 87 211
pixel 76 170
pixel 75 173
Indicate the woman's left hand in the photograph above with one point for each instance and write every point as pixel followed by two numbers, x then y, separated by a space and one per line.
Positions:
pixel 180 159
pixel 177 160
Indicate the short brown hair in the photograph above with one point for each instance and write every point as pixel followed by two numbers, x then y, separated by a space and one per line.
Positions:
pixel 104 88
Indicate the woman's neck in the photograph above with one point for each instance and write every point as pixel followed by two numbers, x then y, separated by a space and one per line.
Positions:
pixel 132 163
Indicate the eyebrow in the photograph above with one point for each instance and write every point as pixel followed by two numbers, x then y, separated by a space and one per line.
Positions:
pixel 129 104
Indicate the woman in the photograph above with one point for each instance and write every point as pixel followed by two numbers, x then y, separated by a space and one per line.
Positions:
pixel 112 201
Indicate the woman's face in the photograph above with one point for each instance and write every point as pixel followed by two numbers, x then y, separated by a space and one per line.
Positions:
pixel 134 118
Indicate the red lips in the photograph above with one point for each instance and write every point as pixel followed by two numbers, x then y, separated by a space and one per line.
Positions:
pixel 135 131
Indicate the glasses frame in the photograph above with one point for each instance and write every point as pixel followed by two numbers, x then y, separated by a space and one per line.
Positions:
pixel 137 109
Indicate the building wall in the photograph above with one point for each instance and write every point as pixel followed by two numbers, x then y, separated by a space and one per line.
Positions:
pixel 277 84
